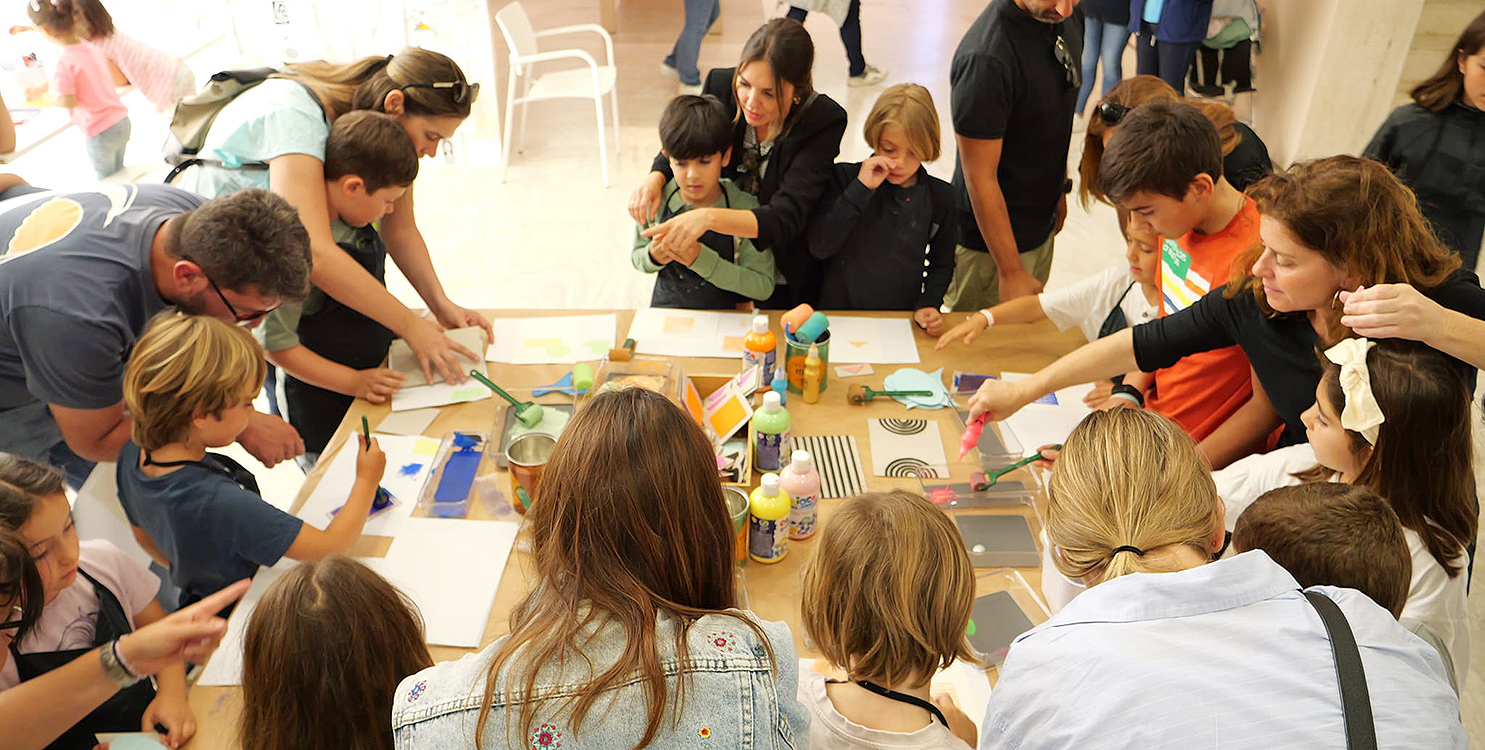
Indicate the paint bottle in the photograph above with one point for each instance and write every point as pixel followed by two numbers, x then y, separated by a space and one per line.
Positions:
pixel 760 348
pixel 771 429
pixel 768 521
pixel 812 371
pixel 781 387
pixel 802 483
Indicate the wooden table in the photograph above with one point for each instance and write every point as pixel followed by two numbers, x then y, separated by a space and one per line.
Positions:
pixel 773 590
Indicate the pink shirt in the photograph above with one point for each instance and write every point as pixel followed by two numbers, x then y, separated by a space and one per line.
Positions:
pixel 161 77
pixel 82 72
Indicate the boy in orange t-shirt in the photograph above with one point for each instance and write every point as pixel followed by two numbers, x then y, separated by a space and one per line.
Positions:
pixel 1164 165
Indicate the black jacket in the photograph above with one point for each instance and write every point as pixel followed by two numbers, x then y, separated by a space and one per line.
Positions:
pixel 798 169
pixel 1441 156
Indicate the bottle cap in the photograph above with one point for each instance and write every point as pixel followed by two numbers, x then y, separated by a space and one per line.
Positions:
pixel 814 352
pixel 760 324
pixel 770 484
pixel 772 401
pixel 801 461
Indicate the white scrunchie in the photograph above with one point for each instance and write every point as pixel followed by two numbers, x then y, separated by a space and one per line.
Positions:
pixel 1361 413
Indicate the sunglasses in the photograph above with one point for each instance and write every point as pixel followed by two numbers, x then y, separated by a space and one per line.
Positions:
pixel 1111 113
pixel 1073 68
pixel 17 618
pixel 251 317
pixel 463 93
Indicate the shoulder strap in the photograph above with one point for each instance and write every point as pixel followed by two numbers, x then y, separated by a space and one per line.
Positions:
pixel 1356 704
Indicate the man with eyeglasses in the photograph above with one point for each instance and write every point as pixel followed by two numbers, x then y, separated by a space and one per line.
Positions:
pixel 82 273
pixel 1013 83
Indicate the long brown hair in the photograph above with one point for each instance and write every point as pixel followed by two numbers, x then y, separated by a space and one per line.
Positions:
pixel 322 657
pixel 790 52
pixel 1446 85
pixel 1132 92
pixel 20 582
pixel 1359 217
pixel 365 83
pixel 630 524
pixel 1424 457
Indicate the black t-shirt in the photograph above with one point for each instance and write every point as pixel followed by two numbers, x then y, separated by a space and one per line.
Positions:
pixel 1282 349
pixel 1249 161
pixel 1006 84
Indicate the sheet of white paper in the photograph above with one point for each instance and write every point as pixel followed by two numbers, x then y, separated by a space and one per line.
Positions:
pixel 401 359
pixel 689 333
pixel 225 665
pixel 1036 425
pixel 407 422
pixel 907 448
pixel 881 341
pixel 431 561
pixel 556 340
pixel 441 394
pixel 409 459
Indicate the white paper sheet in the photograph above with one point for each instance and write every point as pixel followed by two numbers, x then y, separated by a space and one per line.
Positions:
pixel 409 458
pixel 441 394
pixel 1039 424
pixel 689 333
pixel 881 341
pixel 225 665
pixel 451 569
pixel 555 340
pixel 400 356
pixel 907 448
pixel 413 422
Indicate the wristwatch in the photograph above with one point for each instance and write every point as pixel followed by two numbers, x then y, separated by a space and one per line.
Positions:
pixel 1128 392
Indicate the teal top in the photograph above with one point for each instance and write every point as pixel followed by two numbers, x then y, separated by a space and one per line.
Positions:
pixel 274 118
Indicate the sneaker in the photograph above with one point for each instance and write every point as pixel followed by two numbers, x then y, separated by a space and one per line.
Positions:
pixel 869 77
pixel 687 88
pixel 669 72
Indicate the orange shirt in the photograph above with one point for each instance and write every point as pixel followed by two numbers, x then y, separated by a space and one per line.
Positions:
pixel 1202 390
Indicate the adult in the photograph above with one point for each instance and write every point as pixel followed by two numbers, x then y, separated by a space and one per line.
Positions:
pixel 1105 35
pixel 630 635
pixel 81 275
pixel 284 123
pixel 1013 86
pixel 847 16
pixel 680 64
pixel 1245 158
pixel 1168 649
pixel 784 145
pixel 1434 144
pixel 1169 31
pixel 1327 226
pixel 38 711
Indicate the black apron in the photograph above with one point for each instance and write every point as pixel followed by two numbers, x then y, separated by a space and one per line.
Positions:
pixel 341 335
pixel 679 286
pixel 1116 322
pixel 122 712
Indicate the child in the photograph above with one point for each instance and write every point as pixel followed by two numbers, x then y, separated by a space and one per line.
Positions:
pixel 879 220
pixel 887 623
pixel 162 78
pixel 1413 448
pixel 325 354
pixel 189 386
pixel 93 593
pixel 1332 534
pixel 717 272
pixel 351 637
pixel 83 85
pixel 630 636
pixel 1433 144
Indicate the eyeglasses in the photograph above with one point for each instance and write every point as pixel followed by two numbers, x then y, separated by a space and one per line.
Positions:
pixel 1073 68
pixel 251 317
pixel 463 93
pixel 17 618
pixel 1111 113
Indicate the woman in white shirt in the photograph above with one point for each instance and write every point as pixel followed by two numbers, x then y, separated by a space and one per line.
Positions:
pixel 1167 649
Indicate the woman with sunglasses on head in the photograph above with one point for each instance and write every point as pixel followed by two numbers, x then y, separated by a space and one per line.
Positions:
pixel 283 123
pixel 785 140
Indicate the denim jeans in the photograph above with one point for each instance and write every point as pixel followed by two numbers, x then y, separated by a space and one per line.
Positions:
pixel 1168 60
pixel 850 35
pixel 1106 41
pixel 700 15
pixel 106 150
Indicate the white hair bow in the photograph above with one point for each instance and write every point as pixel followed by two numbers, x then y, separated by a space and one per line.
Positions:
pixel 1361 413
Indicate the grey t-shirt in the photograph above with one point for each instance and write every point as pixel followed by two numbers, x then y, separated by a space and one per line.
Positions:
pixel 75 293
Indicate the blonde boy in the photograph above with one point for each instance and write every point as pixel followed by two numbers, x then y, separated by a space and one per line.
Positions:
pixel 889 616
pixel 189 386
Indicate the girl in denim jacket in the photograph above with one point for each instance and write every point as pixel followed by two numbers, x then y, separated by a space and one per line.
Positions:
pixel 630 636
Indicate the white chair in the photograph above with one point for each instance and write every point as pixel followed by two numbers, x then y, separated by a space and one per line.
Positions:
pixel 591 82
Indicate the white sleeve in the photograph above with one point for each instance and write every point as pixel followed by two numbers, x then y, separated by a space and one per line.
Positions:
pixel 1245 480
pixel 1087 302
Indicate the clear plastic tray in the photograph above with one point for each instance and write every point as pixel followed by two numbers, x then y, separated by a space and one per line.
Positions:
pixel 659 374
pixel 462 458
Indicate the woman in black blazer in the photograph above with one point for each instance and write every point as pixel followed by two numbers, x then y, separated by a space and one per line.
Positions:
pixel 784 145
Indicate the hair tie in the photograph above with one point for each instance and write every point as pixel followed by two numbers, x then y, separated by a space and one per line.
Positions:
pixel 1127 548
pixel 1361 413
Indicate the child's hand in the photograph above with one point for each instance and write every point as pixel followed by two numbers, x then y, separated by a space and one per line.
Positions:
pixel 659 254
pixel 930 320
pixel 874 171
pixel 173 713
pixel 371 463
pixel 378 384
pixel 686 255
pixel 1048 458
pixel 1098 399
pixel 968 329
pixel 960 725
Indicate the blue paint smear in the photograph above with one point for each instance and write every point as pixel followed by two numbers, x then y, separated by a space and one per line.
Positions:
pixel 410 470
